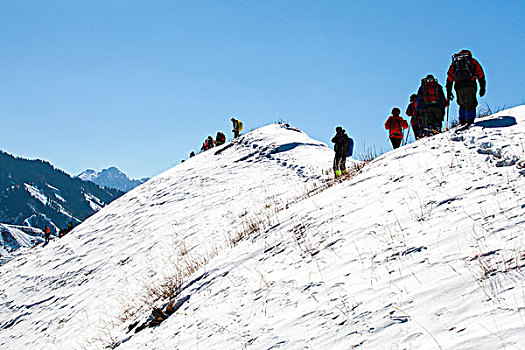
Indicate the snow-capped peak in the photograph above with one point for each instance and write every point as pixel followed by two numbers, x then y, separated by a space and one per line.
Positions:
pixel 111 177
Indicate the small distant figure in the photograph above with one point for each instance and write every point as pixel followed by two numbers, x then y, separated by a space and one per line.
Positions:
pixel 395 124
pixel 192 154
pixel 462 73
pixel 415 116
pixel 343 147
pixel 47 235
pixel 220 139
pixel 208 144
pixel 431 104
pixel 237 127
pixel 63 231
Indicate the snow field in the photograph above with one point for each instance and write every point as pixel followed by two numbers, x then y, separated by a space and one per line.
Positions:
pixel 412 253
pixel 105 265
pixel 423 249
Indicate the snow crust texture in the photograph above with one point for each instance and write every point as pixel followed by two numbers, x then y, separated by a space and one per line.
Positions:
pixel 423 249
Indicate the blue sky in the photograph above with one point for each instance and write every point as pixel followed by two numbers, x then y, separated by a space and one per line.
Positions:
pixel 140 84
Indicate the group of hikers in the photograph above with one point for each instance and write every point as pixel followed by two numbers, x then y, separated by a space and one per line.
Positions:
pixel 427 108
pixel 61 232
pixel 220 138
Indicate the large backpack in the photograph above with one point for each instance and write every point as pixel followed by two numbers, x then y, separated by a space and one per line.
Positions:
pixel 220 138
pixel 431 93
pixel 239 123
pixel 350 147
pixel 396 127
pixel 463 66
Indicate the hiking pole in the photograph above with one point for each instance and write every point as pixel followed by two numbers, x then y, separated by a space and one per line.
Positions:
pixel 408 133
pixel 448 107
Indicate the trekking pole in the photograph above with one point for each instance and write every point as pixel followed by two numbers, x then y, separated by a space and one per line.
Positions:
pixel 448 107
pixel 408 133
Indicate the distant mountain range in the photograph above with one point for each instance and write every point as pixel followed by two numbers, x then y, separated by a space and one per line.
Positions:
pixel 111 177
pixel 36 194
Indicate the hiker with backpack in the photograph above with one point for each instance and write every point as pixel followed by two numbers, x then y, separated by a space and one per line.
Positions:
pixel 431 104
pixel 395 124
pixel 462 73
pixel 237 127
pixel 343 147
pixel 415 116
pixel 210 142
pixel 47 235
pixel 220 139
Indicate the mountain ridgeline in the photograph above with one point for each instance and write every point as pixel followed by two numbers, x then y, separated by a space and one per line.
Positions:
pixel 111 177
pixel 35 193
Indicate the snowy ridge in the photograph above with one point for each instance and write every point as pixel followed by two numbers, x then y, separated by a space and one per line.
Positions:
pixel 133 242
pixel 423 249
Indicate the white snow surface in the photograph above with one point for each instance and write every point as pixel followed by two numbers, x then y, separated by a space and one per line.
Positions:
pixel 36 193
pixel 14 237
pixel 423 249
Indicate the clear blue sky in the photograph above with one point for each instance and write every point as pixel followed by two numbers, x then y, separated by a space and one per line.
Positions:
pixel 139 84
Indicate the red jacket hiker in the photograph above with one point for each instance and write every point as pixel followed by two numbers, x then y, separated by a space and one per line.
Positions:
pixel 476 74
pixel 396 124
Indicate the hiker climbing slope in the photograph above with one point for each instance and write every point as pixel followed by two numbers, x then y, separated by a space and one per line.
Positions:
pixel 415 116
pixel 237 127
pixel 395 125
pixel 342 144
pixel 220 138
pixel 47 234
pixel 431 104
pixel 462 73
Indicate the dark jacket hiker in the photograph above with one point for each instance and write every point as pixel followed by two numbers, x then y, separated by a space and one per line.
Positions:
pixel 220 138
pixel 342 145
pixel 462 73
pixel 431 104
pixel 237 127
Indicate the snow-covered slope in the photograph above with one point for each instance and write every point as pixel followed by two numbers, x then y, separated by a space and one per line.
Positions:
pixel 14 237
pixel 35 194
pixel 423 249
pixel 63 293
pixel 111 177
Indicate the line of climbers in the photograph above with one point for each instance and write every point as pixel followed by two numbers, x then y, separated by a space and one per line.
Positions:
pixel 61 233
pixel 427 108
pixel 220 138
